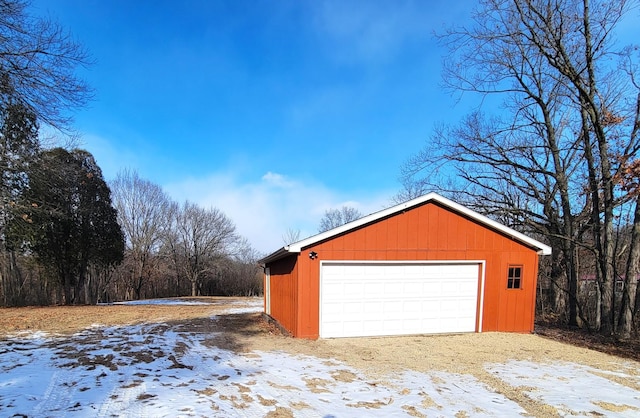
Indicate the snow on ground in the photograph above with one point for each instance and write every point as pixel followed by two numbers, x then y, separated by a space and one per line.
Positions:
pixel 160 302
pixel 153 370
pixel 573 389
pixel 238 306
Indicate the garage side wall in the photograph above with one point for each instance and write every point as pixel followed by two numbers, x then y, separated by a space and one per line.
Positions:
pixel 431 233
pixel 284 292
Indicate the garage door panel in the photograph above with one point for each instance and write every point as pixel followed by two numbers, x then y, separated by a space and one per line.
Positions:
pixel 391 325
pixel 411 327
pixel 334 328
pixel 413 306
pixel 353 289
pixel 371 307
pixel 367 327
pixel 432 288
pixel 352 308
pixel 413 288
pixel 393 299
pixel 373 288
pixel 331 310
pixel 391 290
pixel 392 307
pixel 332 289
pixel 450 286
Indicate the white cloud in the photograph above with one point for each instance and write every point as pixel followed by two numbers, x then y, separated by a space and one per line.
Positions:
pixel 369 32
pixel 277 180
pixel 110 159
pixel 264 209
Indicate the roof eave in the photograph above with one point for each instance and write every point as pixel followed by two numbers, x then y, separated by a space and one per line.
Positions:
pixel 276 255
pixel 546 250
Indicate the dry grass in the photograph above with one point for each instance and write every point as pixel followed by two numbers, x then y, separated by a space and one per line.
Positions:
pixel 70 319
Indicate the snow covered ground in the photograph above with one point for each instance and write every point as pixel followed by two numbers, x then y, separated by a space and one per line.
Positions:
pixel 153 370
pixel 160 302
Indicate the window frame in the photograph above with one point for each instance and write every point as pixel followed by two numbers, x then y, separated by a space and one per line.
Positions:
pixel 514 282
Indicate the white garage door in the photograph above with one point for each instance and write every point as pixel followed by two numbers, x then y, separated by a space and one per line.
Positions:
pixel 369 299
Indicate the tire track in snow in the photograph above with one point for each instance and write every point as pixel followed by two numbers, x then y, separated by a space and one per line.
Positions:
pixel 54 398
pixel 124 398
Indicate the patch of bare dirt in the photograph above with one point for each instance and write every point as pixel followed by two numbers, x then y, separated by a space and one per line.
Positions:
pixel 580 338
pixel 280 412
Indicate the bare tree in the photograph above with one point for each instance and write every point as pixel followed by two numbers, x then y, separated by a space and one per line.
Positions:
pixel 290 236
pixel 38 65
pixel 411 188
pixel 171 249
pixel 203 237
pixel 334 218
pixel 568 126
pixel 240 274
pixel 143 213
pixel 630 302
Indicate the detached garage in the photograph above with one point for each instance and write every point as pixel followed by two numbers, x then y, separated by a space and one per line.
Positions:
pixel 426 266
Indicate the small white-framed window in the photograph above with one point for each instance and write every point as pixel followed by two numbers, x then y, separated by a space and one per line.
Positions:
pixel 514 277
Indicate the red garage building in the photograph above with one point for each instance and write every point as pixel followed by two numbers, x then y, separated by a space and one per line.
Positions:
pixel 425 266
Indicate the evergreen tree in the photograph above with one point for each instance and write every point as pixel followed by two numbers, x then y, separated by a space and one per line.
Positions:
pixel 73 223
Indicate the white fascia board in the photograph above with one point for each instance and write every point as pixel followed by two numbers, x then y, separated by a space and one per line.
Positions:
pixel 518 236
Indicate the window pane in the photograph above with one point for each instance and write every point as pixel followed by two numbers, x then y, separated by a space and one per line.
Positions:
pixel 514 277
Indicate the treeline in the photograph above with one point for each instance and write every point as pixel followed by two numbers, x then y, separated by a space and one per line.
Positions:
pixel 558 298
pixel 68 240
pixel 177 249
pixel 64 238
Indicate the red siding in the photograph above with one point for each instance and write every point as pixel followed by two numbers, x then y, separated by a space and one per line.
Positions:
pixel 426 232
pixel 284 298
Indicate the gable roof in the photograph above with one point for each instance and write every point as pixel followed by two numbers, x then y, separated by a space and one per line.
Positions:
pixel 296 247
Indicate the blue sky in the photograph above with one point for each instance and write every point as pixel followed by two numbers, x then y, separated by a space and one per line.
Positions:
pixel 272 111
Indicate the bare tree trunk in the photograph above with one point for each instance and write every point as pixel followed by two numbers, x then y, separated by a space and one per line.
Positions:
pixel 593 117
pixel 572 279
pixel 5 286
pixel 194 288
pixel 632 273
pixel 558 296
pixel 608 280
pixel 67 289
